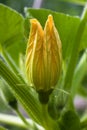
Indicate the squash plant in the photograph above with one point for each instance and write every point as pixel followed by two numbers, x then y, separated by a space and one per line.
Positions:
pixel 47 110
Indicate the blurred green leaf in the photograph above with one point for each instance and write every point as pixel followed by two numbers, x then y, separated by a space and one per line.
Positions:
pixel 84 39
pixel 82 2
pixel 11 30
pixel 80 71
pixel 75 51
pixel 19 4
pixel 63 6
pixel 82 91
pixel 26 28
pixel 2 128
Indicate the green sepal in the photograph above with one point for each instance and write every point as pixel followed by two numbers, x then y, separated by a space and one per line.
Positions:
pixel 57 103
pixel 69 121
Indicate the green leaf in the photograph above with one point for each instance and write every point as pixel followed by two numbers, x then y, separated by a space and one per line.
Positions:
pixel 84 39
pixel 2 128
pixel 80 71
pixel 75 51
pixel 67 26
pixel 26 28
pixel 64 6
pixel 70 121
pixel 82 2
pixel 11 31
pixel 82 91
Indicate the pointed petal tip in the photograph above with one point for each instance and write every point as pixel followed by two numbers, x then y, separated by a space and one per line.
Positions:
pixel 50 18
pixel 33 21
pixel 49 23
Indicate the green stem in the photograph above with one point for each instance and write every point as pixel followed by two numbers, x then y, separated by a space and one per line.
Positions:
pixel 45 116
pixel 24 94
pixel 75 51
pixel 11 120
pixel 16 121
pixel 84 122
pixel 48 123
pixel 22 117
pixel 12 64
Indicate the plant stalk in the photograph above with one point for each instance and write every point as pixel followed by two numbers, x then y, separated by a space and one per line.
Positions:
pixel 16 121
pixel 48 123
pixel 75 51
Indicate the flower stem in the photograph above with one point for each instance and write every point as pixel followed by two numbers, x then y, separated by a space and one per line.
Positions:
pixel 48 123
pixel 45 116
pixel 22 117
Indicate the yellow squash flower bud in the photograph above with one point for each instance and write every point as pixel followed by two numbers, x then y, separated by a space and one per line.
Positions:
pixel 43 55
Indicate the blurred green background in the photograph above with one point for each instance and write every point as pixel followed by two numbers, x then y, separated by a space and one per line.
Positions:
pixel 64 6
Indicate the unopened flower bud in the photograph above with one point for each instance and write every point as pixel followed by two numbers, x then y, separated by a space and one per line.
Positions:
pixel 43 55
